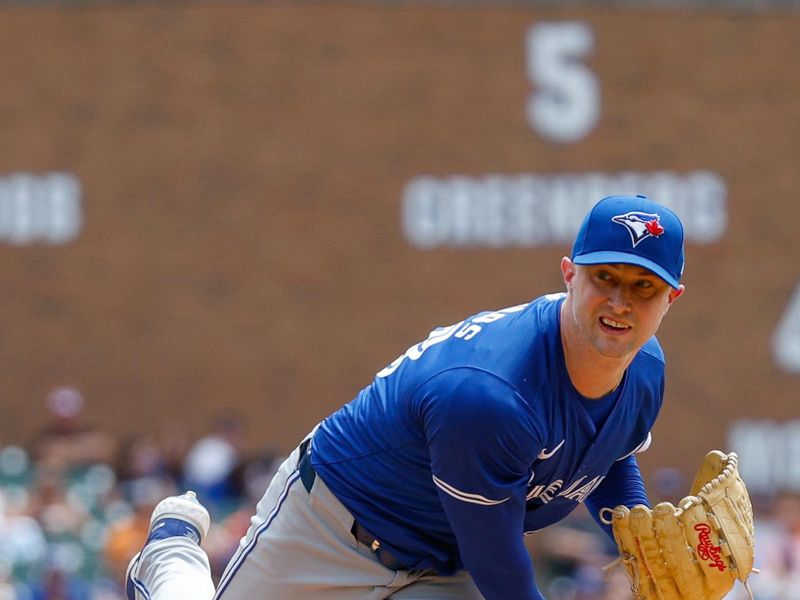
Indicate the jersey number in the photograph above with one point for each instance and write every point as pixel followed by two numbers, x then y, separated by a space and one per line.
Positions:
pixel 462 330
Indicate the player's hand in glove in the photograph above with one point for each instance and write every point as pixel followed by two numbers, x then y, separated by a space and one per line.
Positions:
pixel 693 551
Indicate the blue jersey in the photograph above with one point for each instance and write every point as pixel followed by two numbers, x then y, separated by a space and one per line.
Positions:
pixel 477 435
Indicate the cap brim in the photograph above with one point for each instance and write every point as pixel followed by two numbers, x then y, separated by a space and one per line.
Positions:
pixel 608 258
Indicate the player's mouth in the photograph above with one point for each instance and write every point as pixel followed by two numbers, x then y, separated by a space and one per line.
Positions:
pixel 613 326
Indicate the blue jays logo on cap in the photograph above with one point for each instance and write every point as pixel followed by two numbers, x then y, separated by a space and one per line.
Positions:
pixel 632 230
pixel 640 225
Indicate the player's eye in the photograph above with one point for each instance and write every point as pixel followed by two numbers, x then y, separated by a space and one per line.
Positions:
pixel 644 288
pixel 604 276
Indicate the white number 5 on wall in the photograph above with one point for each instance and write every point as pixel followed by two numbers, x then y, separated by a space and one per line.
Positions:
pixel 565 103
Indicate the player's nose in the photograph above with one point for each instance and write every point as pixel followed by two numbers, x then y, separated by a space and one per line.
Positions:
pixel 619 299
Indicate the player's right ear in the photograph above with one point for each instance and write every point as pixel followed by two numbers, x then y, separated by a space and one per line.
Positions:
pixel 568 270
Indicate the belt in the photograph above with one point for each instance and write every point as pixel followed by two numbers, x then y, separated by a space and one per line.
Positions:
pixel 308 475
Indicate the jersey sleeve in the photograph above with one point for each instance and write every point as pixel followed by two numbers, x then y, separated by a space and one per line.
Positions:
pixel 623 485
pixel 481 437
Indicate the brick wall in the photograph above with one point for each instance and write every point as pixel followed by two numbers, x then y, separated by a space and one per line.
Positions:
pixel 242 170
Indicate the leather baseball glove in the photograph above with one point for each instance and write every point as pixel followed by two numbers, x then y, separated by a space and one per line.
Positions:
pixel 695 550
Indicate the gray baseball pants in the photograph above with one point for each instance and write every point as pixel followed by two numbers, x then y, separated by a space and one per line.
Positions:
pixel 299 547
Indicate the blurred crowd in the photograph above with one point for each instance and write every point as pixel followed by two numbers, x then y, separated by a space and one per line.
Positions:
pixel 75 503
pixel 75 506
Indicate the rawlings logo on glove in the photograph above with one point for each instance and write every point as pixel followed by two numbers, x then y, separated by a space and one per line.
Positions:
pixel 706 550
pixel 693 551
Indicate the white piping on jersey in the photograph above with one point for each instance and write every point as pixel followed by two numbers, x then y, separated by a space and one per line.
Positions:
pixel 640 448
pixel 465 496
pixel 544 454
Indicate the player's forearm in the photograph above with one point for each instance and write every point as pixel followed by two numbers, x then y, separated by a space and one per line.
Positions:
pixel 622 485
pixel 491 546
pixel 503 573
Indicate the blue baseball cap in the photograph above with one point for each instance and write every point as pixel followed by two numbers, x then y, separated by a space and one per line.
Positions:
pixel 632 230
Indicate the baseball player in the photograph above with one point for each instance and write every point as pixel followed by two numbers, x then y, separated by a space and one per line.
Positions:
pixel 423 486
